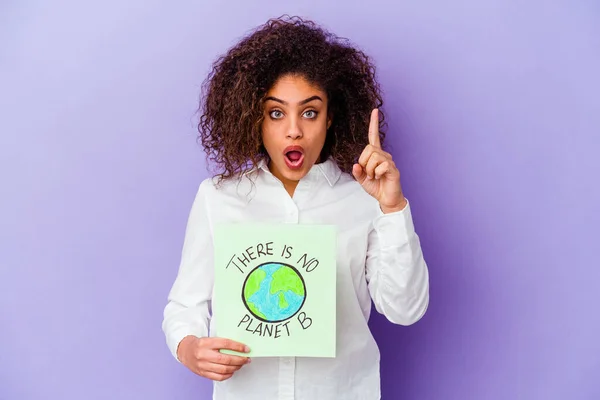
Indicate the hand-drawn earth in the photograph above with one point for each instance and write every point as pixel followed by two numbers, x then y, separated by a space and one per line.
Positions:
pixel 274 292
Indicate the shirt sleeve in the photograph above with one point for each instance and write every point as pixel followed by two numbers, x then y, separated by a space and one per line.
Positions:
pixel 188 307
pixel 396 271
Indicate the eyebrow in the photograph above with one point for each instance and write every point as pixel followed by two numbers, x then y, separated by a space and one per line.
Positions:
pixel 300 103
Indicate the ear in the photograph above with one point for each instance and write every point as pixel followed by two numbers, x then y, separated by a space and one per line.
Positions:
pixel 329 120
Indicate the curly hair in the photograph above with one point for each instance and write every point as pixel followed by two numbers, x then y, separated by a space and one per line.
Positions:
pixel 233 93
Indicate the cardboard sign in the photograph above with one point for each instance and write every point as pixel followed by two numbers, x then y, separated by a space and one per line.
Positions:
pixel 275 288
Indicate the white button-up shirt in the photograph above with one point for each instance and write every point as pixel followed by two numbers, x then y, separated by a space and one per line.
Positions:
pixel 379 259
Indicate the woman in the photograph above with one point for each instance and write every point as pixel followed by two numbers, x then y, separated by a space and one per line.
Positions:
pixel 290 117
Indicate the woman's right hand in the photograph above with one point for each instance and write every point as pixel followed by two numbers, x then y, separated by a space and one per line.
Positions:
pixel 202 356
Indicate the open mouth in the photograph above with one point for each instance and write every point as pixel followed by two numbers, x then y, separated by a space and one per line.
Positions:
pixel 294 157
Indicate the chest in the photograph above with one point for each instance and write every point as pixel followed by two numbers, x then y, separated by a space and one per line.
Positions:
pixel 344 208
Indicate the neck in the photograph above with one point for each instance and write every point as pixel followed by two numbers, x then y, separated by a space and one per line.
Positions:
pixel 289 185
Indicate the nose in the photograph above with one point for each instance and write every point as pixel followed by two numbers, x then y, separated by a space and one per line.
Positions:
pixel 294 130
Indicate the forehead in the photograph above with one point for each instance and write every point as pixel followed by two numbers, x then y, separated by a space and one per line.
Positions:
pixel 295 88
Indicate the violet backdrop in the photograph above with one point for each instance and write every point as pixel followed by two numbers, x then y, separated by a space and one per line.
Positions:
pixel 494 121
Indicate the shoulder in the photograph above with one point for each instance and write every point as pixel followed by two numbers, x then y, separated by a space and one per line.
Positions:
pixel 206 188
pixel 215 188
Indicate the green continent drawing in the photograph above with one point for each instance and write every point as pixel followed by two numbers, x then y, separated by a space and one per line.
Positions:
pixel 287 279
pixel 274 292
pixel 252 285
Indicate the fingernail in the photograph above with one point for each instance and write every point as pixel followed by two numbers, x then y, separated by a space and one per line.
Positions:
pixel 247 349
pixel 249 361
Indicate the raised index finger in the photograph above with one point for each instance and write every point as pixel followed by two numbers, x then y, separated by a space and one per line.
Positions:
pixel 374 129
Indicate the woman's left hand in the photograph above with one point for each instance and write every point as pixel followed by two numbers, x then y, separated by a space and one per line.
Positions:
pixel 377 172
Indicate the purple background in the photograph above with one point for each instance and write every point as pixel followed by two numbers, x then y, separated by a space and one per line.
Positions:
pixel 494 119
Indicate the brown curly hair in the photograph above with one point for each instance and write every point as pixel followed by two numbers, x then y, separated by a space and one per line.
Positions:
pixel 233 93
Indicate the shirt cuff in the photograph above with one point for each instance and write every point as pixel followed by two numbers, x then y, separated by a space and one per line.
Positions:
pixel 394 229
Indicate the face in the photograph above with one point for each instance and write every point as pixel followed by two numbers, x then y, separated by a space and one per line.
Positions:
pixel 294 127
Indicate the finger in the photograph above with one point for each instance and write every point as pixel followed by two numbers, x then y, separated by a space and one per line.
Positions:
pixel 217 357
pixel 359 173
pixel 382 169
pixel 219 368
pixel 374 129
pixel 226 344
pixel 374 161
pixel 215 377
pixel 366 154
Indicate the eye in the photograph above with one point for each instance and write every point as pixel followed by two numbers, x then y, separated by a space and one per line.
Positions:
pixel 276 114
pixel 310 114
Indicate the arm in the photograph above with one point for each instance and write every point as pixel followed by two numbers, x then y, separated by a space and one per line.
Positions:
pixel 396 271
pixel 187 311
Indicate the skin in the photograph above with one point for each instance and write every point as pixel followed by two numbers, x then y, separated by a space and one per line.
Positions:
pixel 296 114
pixel 292 120
pixel 202 356
pixel 377 173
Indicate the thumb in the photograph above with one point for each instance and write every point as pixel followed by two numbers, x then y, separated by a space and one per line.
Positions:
pixel 359 174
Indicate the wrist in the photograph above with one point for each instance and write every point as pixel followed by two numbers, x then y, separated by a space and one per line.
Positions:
pixel 401 205
pixel 183 344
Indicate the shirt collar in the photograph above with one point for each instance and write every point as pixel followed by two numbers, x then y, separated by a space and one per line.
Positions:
pixel 329 169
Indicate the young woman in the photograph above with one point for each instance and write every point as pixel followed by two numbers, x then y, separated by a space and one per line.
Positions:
pixel 290 116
